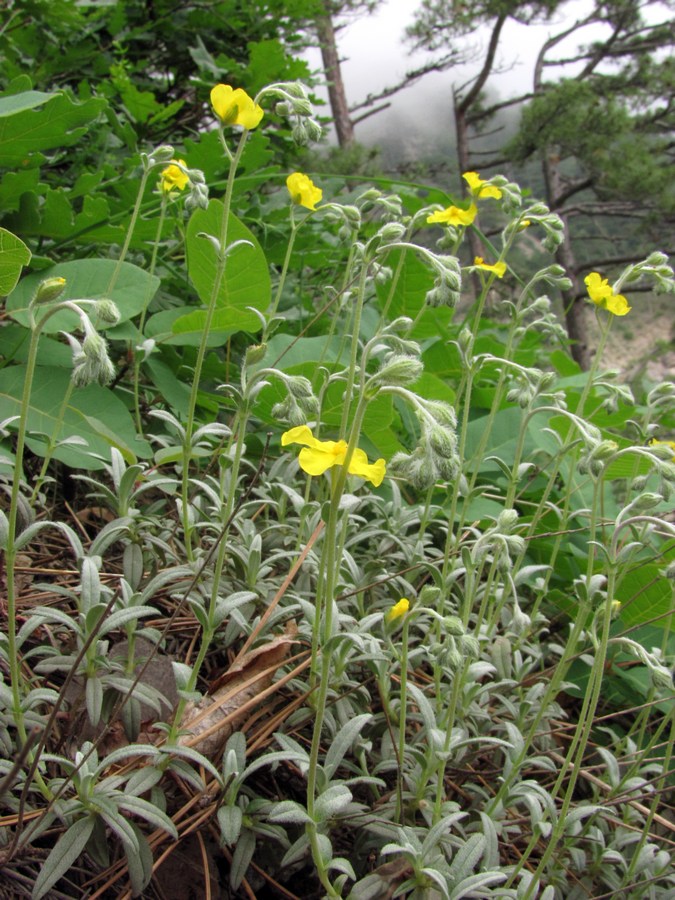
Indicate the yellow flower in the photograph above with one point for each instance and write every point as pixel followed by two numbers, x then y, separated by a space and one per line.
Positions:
pixel 173 177
pixel 398 610
pixel 601 293
pixel 499 268
pixel 316 457
pixel 235 107
pixel 453 215
pixel 654 442
pixel 303 191
pixel 479 188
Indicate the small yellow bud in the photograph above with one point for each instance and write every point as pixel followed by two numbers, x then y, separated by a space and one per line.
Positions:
pixel 50 289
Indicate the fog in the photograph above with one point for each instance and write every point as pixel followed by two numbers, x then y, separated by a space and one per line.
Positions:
pixel 418 124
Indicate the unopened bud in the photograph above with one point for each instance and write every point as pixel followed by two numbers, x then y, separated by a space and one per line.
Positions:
pixel 400 371
pixel 300 134
pixel 108 312
pixel 255 354
pixel 302 107
pixel 392 231
pixel 50 289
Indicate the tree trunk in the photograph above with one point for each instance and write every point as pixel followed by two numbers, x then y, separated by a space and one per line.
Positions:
pixel 575 306
pixel 336 89
pixel 462 130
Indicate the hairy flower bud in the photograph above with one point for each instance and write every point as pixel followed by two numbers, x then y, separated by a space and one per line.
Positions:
pixel 255 354
pixel 300 134
pixel 400 370
pixel 107 311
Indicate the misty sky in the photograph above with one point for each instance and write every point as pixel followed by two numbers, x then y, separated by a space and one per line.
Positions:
pixel 419 120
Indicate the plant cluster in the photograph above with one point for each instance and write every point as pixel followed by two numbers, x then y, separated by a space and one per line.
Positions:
pixel 376 587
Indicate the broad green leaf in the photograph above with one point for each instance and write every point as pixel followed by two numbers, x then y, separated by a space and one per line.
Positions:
pixel 246 280
pixel 64 853
pixel 14 184
pixel 14 255
pixel 285 352
pixel 408 295
pixel 645 594
pixel 175 392
pixel 62 122
pixel 87 279
pixel 94 413
pixel 17 103
pixel 174 327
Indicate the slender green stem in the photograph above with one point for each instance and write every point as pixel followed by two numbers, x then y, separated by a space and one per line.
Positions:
pixel 130 230
pixel 203 344
pixel 11 548
pixel 353 362
pixel 402 716
pixel 16 680
pixel 51 445
pixel 282 278
pixel 141 324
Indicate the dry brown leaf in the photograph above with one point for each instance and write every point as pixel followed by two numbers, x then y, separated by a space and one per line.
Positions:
pixel 383 882
pixel 210 722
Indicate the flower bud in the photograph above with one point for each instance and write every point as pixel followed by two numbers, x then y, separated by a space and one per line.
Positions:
pixel 352 215
pixel 108 312
pixel 429 595
pixel 255 354
pixel 453 625
pixel 453 658
pixel 91 362
pixel 300 134
pixel 400 371
pixel 161 155
pixel 296 89
pixel 662 677
pixel 469 646
pixel 392 231
pixel 604 450
pixel 465 338
pixel 383 274
pixel 50 289
pixel 314 130
pixel 302 107
pixel 198 197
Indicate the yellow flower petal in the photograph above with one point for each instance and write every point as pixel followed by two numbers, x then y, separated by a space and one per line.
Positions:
pixel 454 215
pixel 317 456
pixel 617 305
pixel 601 293
pixel 301 434
pixel 480 188
pixel 499 268
pixel 373 472
pixel 303 191
pixel 598 287
pixel 398 610
pixel 317 460
pixel 173 177
pixel 235 107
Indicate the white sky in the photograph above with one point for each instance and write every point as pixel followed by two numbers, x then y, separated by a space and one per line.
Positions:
pixel 375 55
